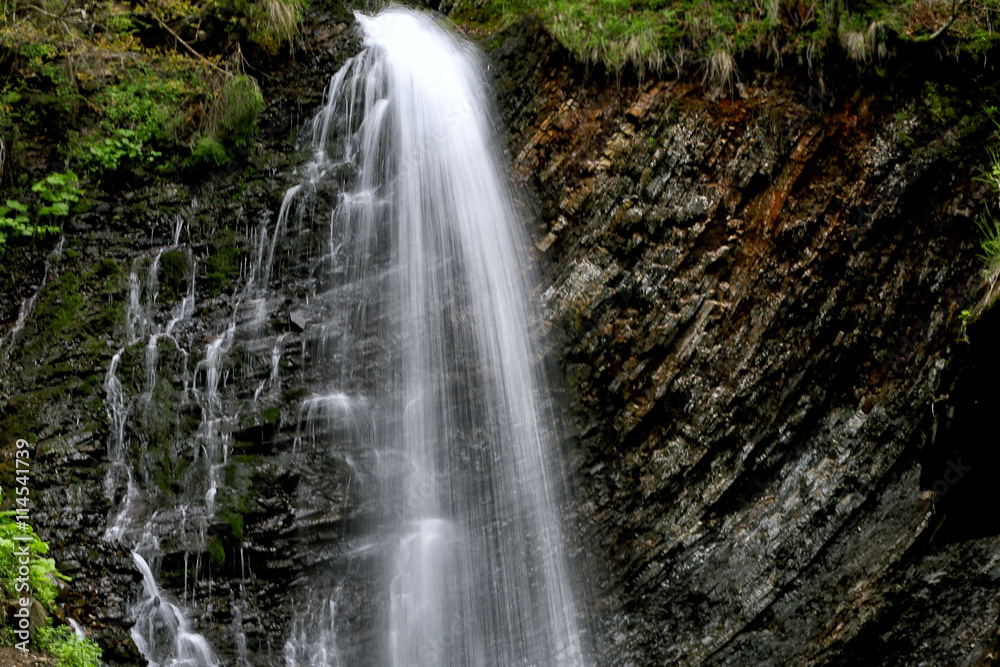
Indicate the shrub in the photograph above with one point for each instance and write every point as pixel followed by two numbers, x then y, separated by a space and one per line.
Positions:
pixel 69 649
pixel 207 151
pixel 135 90
pixel 232 122
pixel 236 108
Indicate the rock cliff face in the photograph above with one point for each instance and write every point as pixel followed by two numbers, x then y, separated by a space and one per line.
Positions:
pixel 759 298
pixel 781 432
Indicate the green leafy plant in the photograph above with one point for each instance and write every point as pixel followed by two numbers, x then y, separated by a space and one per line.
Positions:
pixel 58 191
pixel 14 221
pixel 120 148
pixel 69 649
pixel 42 572
pixel 56 194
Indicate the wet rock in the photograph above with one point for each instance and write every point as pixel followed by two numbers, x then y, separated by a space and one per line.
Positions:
pixel 744 298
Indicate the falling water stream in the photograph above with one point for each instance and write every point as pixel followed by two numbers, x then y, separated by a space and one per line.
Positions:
pixel 431 387
pixel 424 234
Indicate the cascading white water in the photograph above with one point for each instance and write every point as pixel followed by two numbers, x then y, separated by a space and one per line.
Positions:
pixel 427 255
pixel 162 632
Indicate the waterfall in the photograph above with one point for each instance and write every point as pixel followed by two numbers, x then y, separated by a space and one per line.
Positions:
pixel 425 527
pixel 428 339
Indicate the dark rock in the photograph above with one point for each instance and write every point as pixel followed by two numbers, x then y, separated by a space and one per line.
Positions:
pixel 756 305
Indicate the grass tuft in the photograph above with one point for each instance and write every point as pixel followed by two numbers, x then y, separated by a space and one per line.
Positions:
pixel 989 242
pixel 720 70
pixel 274 22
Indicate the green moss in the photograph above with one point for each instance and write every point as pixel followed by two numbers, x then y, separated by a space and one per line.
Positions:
pixel 938 103
pixel 208 151
pixel 271 415
pixel 216 552
pixel 235 522
pixel 108 268
pixel 111 316
pixel 293 395
pixel 85 388
pixel 190 421
pixel 60 304
pixel 173 276
pixel 222 265
pixel 20 420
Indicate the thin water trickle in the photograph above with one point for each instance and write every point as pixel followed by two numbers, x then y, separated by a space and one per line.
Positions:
pixel 28 305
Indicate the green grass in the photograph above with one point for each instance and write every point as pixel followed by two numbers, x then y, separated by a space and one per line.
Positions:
pixel 989 226
pixel 711 35
pixel 273 23
pixel 989 242
pixel 68 649
pixel 989 229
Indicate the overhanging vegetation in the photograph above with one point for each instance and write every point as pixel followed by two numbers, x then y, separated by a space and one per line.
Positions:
pixel 659 35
